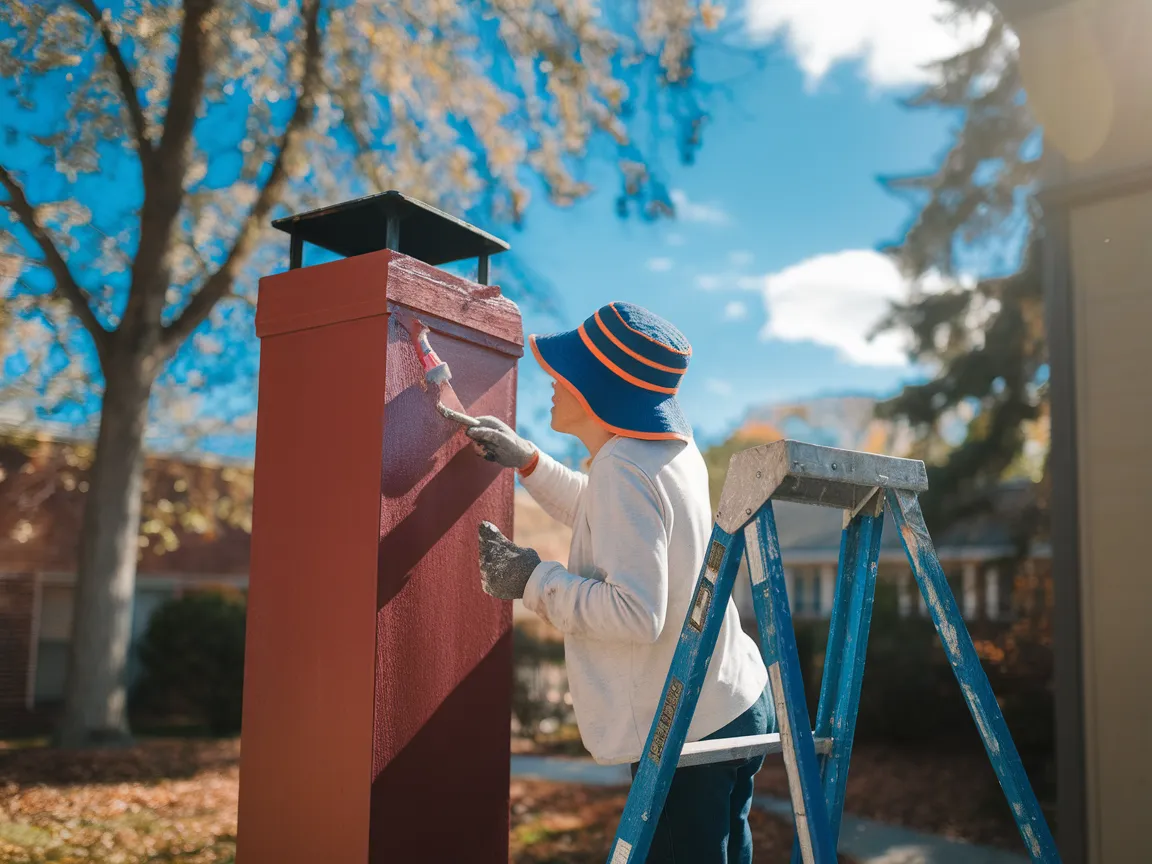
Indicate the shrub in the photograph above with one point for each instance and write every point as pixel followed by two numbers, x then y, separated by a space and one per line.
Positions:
pixel 192 659
pixel 909 693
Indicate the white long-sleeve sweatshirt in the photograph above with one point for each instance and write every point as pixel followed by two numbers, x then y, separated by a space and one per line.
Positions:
pixel 641 521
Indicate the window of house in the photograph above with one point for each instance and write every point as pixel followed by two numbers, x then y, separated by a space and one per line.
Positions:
pixel 970 596
pixel 807 592
pixel 954 576
pixel 906 588
pixel 56 609
pixel 795 585
pixel 993 596
pixel 827 589
pixel 52 646
pixel 148 599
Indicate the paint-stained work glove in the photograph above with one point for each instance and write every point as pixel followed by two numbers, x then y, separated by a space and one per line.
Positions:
pixel 505 568
pixel 501 444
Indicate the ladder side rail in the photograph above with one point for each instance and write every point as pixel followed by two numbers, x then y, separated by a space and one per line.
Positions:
pixel 678 700
pixel 837 624
pixel 830 679
pixel 852 666
pixel 847 651
pixel 970 674
pixel 778 647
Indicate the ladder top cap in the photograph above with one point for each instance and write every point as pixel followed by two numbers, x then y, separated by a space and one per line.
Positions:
pixel 810 474
pixel 359 227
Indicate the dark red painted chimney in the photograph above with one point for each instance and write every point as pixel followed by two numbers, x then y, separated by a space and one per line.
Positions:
pixel 378 674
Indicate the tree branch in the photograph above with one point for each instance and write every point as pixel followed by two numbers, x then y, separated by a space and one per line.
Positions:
pixel 220 283
pixel 164 183
pixel 127 83
pixel 187 81
pixel 66 286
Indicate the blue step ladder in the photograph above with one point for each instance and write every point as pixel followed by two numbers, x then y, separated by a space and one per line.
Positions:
pixel 816 758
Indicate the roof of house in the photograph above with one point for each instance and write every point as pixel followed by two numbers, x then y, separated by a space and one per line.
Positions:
pixel 806 529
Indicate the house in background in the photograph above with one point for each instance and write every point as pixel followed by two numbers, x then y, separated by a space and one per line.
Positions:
pixel 191 539
pixel 194 507
pixel 194 536
pixel 978 554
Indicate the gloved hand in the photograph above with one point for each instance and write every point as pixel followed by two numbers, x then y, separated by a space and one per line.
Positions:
pixel 504 567
pixel 499 443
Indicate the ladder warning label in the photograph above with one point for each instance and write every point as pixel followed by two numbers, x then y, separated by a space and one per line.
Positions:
pixel 715 557
pixel 664 722
pixel 700 606
pixel 623 850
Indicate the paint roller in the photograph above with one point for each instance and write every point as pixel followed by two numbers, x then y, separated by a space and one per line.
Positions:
pixel 437 375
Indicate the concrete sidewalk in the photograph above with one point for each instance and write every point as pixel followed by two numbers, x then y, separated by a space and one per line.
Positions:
pixel 867 841
pixel 876 843
pixel 563 769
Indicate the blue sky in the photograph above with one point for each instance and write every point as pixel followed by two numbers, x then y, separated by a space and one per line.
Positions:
pixel 771 267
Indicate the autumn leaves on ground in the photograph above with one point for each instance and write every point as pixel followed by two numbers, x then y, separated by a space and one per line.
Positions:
pixel 164 801
pixel 175 801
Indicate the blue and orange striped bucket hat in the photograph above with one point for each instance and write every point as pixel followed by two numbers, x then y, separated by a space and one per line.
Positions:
pixel 624 364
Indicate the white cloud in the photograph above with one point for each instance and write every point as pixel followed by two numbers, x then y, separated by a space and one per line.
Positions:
pixel 740 258
pixel 694 211
pixel 659 265
pixel 735 311
pixel 835 300
pixel 894 40
pixel 718 387
pixel 728 281
pixel 674 239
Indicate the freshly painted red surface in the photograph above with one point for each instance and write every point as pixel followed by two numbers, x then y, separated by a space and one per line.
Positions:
pixel 378 674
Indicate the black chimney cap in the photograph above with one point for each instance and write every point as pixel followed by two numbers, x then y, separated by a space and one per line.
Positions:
pixel 389 220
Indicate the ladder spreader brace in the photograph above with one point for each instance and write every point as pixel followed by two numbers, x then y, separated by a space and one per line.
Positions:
pixel 816 757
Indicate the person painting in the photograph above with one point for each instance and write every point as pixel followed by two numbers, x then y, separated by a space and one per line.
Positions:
pixel 641 521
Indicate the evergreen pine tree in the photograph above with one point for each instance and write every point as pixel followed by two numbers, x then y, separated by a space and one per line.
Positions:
pixel 976 217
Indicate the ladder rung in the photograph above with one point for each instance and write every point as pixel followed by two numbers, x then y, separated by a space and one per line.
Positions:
pixel 725 749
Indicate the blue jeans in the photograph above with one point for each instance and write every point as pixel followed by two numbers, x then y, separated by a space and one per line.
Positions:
pixel 705 817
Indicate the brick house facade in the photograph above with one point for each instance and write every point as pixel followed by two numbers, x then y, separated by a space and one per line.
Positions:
pixel 18 598
pixel 193 536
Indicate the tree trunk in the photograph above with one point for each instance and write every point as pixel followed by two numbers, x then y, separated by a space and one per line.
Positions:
pixel 96 695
